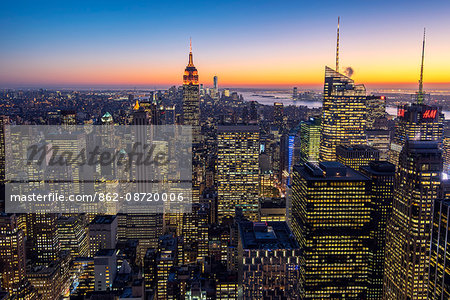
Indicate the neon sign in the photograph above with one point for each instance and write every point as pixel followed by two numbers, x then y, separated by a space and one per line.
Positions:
pixel 401 112
pixel 429 114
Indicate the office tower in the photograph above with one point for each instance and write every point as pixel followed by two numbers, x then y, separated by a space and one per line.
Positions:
pixel 227 286
pixel 355 156
pixel 379 139
pixel 191 98
pixel 254 111
pixel 83 269
pixel 216 85
pixel 343 114
pixel 446 151
pixel 12 256
pixel 417 121
pixel 295 93
pixel 165 260
pixel 143 227
pixel 376 109
pixel 102 233
pixel 47 280
pixel 343 111
pixel 269 257
pixel 105 269
pixel 4 120
pixel 226 93
pixel 310 140
pixel 330 219
pixel 140 116
pixel 272 209
pixel 417 186
pixel 381 190
pixel 149 269
pixel 439 273
pixel 43 232
pixel 278 116
pixel 72 235
pixel 195 233
pixel 237 170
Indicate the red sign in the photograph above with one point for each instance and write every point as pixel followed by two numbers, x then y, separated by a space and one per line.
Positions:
pixel 401 112
pixel 429 114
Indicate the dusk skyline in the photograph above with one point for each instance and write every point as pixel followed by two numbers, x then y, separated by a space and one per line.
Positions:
pixel 244 44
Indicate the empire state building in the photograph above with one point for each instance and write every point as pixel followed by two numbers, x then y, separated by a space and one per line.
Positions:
pixel 191 99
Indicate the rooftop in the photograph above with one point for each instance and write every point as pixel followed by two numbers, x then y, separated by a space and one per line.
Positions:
pixel 266 235
pixel 330 170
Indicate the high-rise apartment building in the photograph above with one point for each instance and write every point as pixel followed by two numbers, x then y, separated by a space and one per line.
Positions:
pixel 237 170
pixel 417 187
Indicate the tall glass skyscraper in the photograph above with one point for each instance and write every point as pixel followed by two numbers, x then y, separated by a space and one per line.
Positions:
pixel 343 114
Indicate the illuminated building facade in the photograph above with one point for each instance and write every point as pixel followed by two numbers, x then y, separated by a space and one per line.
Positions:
pixel 72 235
pixel 446 151
pixel 102 233
pixel 376 109
pixel 439 274
pixel 42 230
pixel 191 97
pixel 356 156
pixel 417 186
pixel 165 260
pixel 379 139
pixel 381 190
pixel 12 259
pixel 416 122
pixel 331 217
pixel 105 269
pixel 195 233
pixel 278 115
pixel 343 114
pixel 269 259
pixel 237 170
pixel 310 140
pixel 272 209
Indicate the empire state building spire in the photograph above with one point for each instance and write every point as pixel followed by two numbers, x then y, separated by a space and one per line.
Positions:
pixel 190 76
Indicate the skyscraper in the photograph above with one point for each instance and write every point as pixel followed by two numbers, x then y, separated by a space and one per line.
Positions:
pixel 356 156
pixel 237 170
pixel 269 257
pixel 330 219
pixel 216 85
pixel 343 111
pixel 191 98
pixel 439 274
pixel 376 109
pixel 417 185
pixel 310 140
pixel 417 121
pixel 278 115
pixel 381 191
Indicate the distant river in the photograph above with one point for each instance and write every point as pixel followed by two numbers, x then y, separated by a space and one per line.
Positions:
pixel 269 98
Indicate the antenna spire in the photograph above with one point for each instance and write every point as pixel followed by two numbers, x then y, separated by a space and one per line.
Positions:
pixel 420 94
pixel 191 59
pixel 337 48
